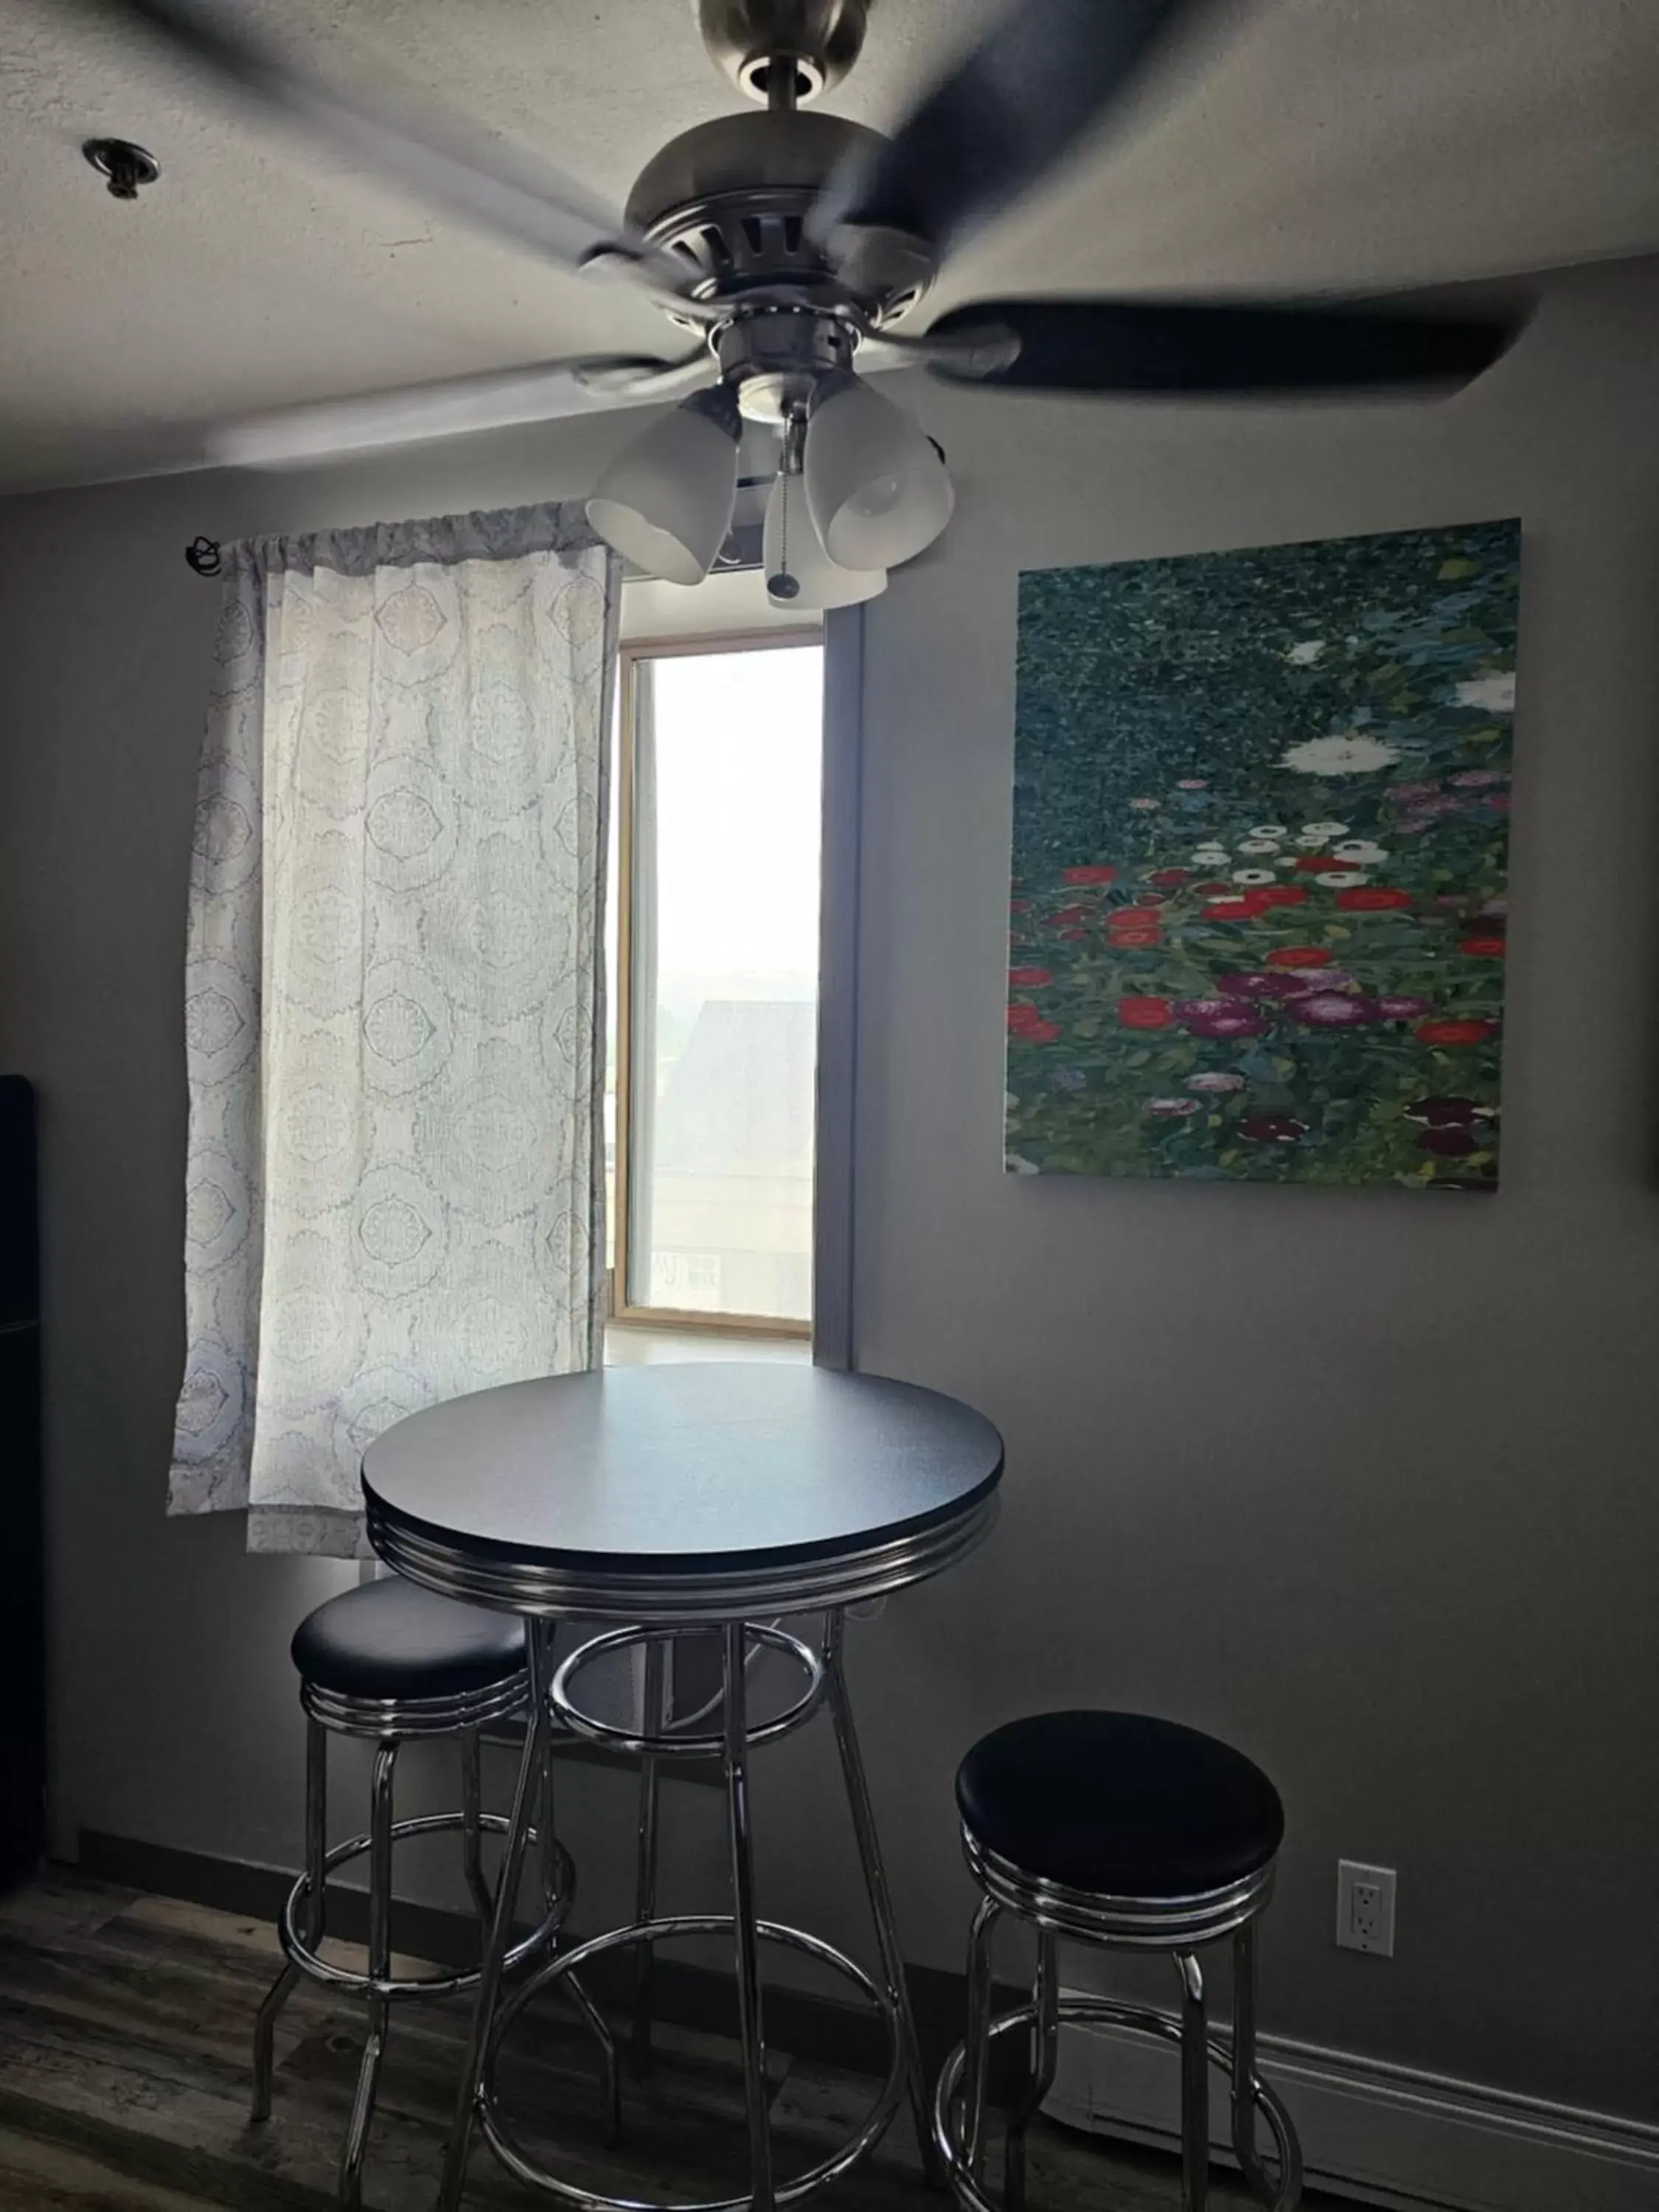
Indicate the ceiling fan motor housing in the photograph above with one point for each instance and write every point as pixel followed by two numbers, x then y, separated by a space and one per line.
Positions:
pixel 727 203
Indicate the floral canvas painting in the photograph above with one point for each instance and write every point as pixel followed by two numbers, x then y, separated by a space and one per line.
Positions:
pixel 1258 916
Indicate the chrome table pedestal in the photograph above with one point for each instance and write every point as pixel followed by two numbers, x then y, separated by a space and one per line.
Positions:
pixel 673 1499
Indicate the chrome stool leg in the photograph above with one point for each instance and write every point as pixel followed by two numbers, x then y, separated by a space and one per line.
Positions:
pixel 264 2031
pixel 655 1723
pixel 1195 2086
pixel 977 2059
pixel 1044 2060
pixel 472 1824
pixel 750 2022
pixel 538 1642
pixel 380 1966
pixel 875 1883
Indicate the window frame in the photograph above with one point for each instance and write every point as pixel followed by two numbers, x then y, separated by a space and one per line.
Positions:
pixel 623 1313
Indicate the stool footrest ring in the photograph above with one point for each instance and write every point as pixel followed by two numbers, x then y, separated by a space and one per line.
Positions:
pixel 414 1985
pixel 1089 2011
pixel 650 1931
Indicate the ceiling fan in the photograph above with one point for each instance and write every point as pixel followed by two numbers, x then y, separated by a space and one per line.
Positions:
pixel 788 244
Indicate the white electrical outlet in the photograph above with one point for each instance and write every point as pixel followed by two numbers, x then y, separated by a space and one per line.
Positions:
pixel 1364 1908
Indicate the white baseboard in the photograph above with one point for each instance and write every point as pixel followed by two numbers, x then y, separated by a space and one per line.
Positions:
pixel 1383 2133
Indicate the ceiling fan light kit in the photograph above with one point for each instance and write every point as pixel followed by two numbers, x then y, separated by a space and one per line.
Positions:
pixel 784 241
pixel 665 502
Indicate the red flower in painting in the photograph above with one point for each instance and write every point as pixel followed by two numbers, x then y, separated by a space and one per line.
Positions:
pixel 1283 895
pixel 1171 879
pixel 1019 906
pixel 1068 916
pixel 1245 908
pixel 1144 1013
pixel 1214 891
pixel 1453 1032
pixel 1025 1022
pixel 1299 955
pixel 1484 948
pixel 1095 875
pixel 1372 898
pixel 1041 1032
pixel 1075 935
pixel 1313 862
pixel 1136 938
pixel 1029 979
pixel 1143 899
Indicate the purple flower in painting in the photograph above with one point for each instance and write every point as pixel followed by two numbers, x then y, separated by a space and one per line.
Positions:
pixel 1253 983
pixel 1495 906
pixel 1291 983
pixel 1412 790
pixel 1218 1017
pixel 1396 1006
pixel 1171 1110
pixel 1447 1112
pixel 1068 1078
pixel 1334 1009
pixel 1215 1078
pixel 1452 1142
pixel 1476 779
pixel 1271 1129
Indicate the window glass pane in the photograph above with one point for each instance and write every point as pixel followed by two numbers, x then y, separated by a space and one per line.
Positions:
pixel 723 962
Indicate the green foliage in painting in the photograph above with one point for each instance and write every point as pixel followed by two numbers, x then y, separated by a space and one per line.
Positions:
pixel 1261 840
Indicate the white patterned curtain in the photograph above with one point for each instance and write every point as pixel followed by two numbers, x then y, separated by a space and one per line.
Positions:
pixel 393 998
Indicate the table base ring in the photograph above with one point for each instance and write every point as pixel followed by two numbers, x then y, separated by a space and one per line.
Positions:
pixel 830 2169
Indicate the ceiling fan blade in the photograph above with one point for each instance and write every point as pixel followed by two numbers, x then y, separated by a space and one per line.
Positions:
pixel 1212 346
pixel 538 393
pixel 442 157
pixel 1010 111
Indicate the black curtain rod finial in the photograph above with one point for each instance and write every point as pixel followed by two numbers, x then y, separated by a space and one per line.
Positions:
pixel 202 554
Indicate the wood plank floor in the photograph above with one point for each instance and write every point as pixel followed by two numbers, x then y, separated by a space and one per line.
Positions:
pixel 124 2027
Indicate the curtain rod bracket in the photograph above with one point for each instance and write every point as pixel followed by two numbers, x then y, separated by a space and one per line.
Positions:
pixel 202 554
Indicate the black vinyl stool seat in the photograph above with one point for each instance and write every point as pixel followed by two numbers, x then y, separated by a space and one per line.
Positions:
pixel 1120 1804
pixel 393 1640
pixel 390 1661
pixel 1127 1832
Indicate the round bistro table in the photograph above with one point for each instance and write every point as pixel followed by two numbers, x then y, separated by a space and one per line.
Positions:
pixel 676 1498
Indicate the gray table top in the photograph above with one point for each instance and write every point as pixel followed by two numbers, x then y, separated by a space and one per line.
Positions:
pixel 681 1470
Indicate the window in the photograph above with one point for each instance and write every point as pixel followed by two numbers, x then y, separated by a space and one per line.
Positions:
pixel 715 905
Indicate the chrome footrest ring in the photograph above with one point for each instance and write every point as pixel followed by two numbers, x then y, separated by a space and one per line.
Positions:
pixel 416 1985
pixel 679 1745
pixel 829 2169
pixel 1094 2011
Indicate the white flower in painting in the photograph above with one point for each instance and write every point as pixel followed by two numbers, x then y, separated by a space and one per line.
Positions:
pixel 1286 860
pixel 1016 1165
pixel 1493 695
pixel 1253 875
pixel 1145 806
pixel 1267 829
pixel 1305 654
pixel 1339 880
pixel 1210 856
pixel 1350 754
pixel 1259 845
pixel 1321 833
pixel 1361 852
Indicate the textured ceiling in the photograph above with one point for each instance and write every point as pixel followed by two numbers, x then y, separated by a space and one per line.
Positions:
pixel 1366 142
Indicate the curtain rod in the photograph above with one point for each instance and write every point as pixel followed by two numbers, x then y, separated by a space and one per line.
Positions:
pixel 742 550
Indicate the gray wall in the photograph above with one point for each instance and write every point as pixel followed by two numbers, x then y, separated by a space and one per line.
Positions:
pixel 1363 1481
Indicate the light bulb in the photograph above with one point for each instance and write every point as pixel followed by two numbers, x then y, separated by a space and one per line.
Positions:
pixel 665 502
pixel 799 572
pixel 876 485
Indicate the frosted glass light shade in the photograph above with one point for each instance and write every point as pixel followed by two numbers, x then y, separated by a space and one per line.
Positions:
pixel 665 502
pixel 792 550
pixel 876 485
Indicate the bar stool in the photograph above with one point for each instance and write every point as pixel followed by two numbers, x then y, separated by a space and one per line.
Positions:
pixel 390 1661
pixel 1123 1832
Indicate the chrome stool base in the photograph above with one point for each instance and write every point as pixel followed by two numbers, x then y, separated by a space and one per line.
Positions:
pixel 389 1722
pixel 949 2130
